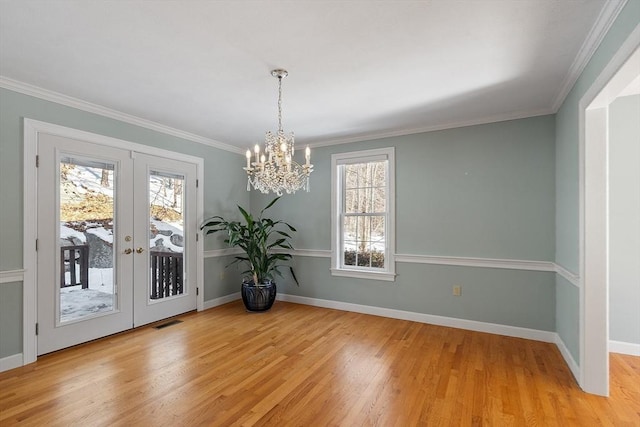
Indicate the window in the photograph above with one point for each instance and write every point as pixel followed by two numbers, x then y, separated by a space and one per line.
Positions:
pixel 363 214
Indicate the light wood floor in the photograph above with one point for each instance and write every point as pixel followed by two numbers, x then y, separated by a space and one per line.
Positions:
pixel 307 366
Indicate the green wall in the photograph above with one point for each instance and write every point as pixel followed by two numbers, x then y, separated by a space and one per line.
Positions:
pixel 224 186
pixel 483 191
pixel 10 319
pixel 567 196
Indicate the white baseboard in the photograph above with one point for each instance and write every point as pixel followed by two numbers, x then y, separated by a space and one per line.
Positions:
pixel 472 325
pixel 624 347
pixel 10 362
pixel 221 300
pixel 568 358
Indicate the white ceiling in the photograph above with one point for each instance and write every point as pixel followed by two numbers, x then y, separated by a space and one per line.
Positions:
pixel 357 69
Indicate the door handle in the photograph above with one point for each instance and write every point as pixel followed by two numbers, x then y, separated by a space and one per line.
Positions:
pixel 128 251
pixel 139 250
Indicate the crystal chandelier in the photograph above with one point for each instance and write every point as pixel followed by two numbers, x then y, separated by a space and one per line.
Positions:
pixel 274 170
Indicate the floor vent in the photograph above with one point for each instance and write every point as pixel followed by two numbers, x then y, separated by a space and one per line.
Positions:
pixel 170 323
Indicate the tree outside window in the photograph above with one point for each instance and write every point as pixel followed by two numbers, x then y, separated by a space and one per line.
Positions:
pixel 364 212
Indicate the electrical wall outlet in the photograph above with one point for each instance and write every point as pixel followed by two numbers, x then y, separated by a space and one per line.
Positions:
pixel 457 290
pixel 221 275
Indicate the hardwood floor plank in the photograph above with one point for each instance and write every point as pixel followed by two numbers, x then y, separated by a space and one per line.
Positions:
pixel 306 366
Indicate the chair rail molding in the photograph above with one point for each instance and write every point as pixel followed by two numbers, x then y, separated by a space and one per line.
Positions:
pixel 510 264
pixel 11 276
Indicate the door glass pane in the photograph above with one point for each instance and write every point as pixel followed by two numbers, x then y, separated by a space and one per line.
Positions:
pixel 86 238
pixel 166 237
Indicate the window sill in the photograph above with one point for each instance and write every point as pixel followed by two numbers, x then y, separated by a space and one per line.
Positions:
pixel 360 274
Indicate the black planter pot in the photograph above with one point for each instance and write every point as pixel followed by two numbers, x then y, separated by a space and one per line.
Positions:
pixel 258 297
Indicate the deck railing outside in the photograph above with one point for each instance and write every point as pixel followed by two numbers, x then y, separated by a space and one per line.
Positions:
pixel 70 257
pixel 166 274
pixel 166 270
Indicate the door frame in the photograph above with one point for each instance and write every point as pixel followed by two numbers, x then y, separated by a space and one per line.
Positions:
pixel 593 214
pixel 32 130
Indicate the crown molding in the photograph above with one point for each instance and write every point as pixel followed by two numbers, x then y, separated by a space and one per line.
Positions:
pixel 452 125
pixel 58 98
pixel 607 17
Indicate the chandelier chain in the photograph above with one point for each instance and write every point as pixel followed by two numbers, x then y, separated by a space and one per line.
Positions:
pixel 279 103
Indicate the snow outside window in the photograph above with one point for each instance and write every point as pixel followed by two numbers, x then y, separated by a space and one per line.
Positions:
pixel 363 214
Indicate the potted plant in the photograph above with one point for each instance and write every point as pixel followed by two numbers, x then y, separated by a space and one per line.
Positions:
pixel 257 237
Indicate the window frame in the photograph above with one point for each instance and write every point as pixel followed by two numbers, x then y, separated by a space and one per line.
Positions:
pixel 337 212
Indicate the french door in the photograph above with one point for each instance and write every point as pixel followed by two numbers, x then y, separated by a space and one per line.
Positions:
pixel 116 240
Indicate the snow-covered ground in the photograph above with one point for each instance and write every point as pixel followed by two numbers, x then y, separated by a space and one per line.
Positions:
pixel 350 243
pixel 102 233
pixel 69 233
pixel 76 302
pixel 161 239
pixel 78 181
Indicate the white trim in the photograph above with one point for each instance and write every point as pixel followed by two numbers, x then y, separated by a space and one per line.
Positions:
pixel 592 216
pixel 217 253
pixel 570 277
pixel 29 259
pixel 632 349
pixel 317 253
pixel 199 235
pixel 364 274
pixel 512 264
pixel 222 300
pixel 11 362
pixel 38 127
pixel 79 104
pixel 603 23
pixel 471 325
pixel 32 130
pixel 10 276
pixel 453 125
pixel 568 358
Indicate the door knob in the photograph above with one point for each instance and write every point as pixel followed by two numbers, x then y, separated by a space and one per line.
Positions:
pixel 139 250
pixel 128 251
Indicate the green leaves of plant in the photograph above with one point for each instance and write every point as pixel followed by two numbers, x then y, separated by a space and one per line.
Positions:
pixel 254 237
